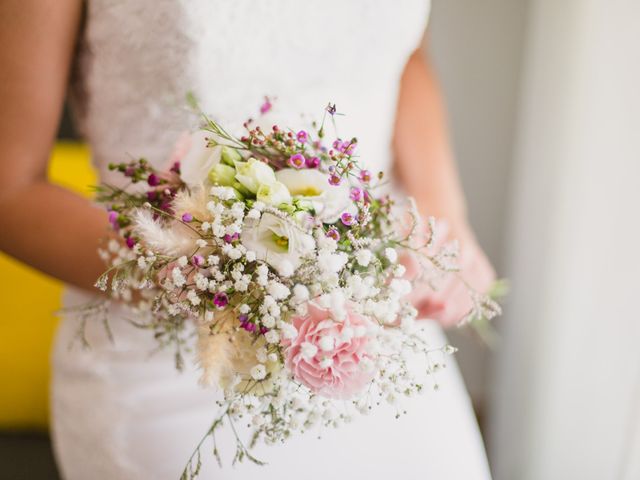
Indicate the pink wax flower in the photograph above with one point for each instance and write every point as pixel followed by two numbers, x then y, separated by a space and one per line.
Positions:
pixel 356 194
pixel 297 160
pixel 302 136
pixel 313 162
pixel 327 355
pixel 153 180
pixel 347 219
pixel 197 260
pixel 220 299
pixel 113 220
pixel 266 106
pixel 333 233
pixel 334 180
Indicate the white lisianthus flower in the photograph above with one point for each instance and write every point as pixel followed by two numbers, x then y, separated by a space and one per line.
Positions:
pixel 329 201
pixel 275 194
pixel 278 242
pixel 254 173
pixel 199 159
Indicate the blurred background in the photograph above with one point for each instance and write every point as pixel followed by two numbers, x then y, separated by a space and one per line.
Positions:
pixel 544 111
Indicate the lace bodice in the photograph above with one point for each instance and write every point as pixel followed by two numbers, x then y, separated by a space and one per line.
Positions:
pixel 139 58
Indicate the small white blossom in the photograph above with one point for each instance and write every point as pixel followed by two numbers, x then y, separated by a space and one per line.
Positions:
pixel 253 214
pixel 400 287
pixel 332 262
pixel 257 420
pixel 268 321
pixel 327 343
pixel 182 261
pixel 324 300
pixel 347 334
pixel 193 298
pixel 272 336
pixel 300 293
pixel 232 252
pixel 289 332
pixel 326 244
pixel 178 278
pixel 399 270
pixel 308 350
pixel 223 193
pixel 363 257
pixel 274 310
pixel 242 284
pixel 258 372
pixel 326 362
pixel 285 268
pixel 277 290
pixel 250 256
pixel 261 354
pixel 391 254
pixel 202 282
pixel 113 246
pixel 219 230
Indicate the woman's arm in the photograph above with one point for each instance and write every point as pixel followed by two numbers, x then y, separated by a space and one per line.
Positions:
pixel 43 225
pixel 425 165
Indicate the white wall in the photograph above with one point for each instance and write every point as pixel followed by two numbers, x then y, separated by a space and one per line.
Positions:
pixel 476 47
pixel 568 392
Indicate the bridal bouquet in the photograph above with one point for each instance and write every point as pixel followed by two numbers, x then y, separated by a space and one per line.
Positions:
pixel 283 250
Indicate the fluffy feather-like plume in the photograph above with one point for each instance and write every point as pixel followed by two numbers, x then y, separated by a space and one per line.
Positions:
pixel 215 353
pixel 176 240
pixel 193 201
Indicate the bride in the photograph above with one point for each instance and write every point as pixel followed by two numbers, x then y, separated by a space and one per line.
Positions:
pixel 120 411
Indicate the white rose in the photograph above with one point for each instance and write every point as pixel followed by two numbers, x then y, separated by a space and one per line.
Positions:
pixel 275 194
pixel 329 201
pixel 199 159
pixel 253 173
pixel 278 242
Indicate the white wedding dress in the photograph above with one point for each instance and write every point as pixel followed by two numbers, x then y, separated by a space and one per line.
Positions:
pixel 121 411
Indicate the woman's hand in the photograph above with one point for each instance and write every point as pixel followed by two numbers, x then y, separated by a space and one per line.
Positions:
pixel 451 302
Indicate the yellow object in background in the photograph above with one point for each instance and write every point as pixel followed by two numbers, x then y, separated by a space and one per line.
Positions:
pixel 28 302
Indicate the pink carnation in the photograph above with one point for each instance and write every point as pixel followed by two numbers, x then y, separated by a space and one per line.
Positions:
pixel 326 355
